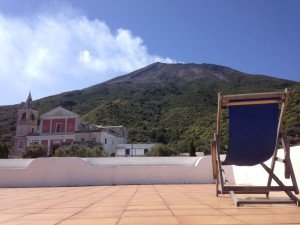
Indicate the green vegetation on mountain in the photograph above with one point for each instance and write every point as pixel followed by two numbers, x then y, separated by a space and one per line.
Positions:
pixel 164 103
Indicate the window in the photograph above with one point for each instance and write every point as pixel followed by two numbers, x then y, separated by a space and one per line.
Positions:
pixel 32 130
pixel 70 127
pixel 23 116
pixel 35 142
pixel 58 127
pixel 105 140
pixel 93 139
pixel 82 139
pixel 20 144
pixel 127 151
pixel 145 151
pixel 32 116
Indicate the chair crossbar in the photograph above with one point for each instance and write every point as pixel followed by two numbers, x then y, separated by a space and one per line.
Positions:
pixel 263 102
pixel 254 96
pixel 256 189
pixel 238 201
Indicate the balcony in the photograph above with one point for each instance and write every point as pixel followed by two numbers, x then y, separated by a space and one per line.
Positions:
pixel 169 197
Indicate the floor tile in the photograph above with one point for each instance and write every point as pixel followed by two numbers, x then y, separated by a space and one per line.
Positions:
pixel 98 221
pixel 166 220
pixel 270 219
pixel 146 213
pixel 193 220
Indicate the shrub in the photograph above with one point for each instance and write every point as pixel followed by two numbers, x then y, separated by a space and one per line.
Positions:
pixel 162 150
pixel 192 149
pixel 82 151
pixel 205 150
pixel 34 151
pixel 4 151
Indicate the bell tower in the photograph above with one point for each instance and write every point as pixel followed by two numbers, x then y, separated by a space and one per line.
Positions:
pixel 26 124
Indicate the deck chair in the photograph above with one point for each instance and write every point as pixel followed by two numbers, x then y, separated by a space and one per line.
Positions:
pixel 254 135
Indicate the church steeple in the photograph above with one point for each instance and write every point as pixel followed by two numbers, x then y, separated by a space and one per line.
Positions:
pixel 29 103
pixel 26 124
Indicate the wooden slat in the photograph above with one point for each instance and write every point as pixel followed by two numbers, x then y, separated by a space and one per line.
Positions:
pixel 216 137
pixel 252 102
pixel 217 186
pixel 283 108
pixel 286 148
pixel 219 113
pixel 213 144
pixel 264 201
pixel 256 189
pixel 220 178
pixel 254 96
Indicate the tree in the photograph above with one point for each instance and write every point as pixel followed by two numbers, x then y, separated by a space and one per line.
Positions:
pixel 5 151
pixel 1 152
pixel 99 150
pixel 34 151
pixel 192 148
pixel 162 150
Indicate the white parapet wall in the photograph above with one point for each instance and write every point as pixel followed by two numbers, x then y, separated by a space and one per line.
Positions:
pixel 72 171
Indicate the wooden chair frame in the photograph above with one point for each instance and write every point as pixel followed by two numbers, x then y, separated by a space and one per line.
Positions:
pixel 218 172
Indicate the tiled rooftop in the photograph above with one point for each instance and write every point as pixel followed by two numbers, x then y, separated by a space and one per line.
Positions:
pixel 134 204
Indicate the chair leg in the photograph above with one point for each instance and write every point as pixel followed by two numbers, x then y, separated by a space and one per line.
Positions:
pixel 278 181
pixel 234 199
pixel 217 187
pixel 272 169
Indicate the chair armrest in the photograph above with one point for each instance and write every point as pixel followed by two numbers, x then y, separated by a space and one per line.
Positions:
pixel 213 149
pixel 286 147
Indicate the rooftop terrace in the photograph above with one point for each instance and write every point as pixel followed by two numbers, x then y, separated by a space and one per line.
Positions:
pixel 135 204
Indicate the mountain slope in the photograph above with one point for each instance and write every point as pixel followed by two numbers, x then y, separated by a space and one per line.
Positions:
pixel 169 103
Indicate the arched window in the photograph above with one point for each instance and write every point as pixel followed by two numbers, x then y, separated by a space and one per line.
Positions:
pixel 32 116
pixel 23 116
pixel 20 144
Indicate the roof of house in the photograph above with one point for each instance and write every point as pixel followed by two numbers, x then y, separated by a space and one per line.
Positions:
pixel 59 111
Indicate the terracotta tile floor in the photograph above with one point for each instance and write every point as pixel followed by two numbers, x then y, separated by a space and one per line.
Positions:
pixel 134 204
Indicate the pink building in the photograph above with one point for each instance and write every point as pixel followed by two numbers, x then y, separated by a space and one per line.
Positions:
pixel 62 127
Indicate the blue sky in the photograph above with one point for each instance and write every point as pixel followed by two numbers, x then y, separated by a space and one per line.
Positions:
pixel 53 46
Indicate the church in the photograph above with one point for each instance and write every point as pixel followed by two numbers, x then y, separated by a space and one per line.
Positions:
pixel 60 127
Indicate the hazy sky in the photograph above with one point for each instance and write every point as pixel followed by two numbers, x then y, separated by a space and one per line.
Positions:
pixel 50 47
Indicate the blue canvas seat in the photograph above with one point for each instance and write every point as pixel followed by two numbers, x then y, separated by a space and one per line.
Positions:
pixel 247 125
pixel 255 128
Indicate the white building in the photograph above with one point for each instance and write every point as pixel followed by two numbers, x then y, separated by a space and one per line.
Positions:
pixel 133 149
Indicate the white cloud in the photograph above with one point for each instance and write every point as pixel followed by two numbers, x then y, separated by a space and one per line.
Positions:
pixel 52 53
